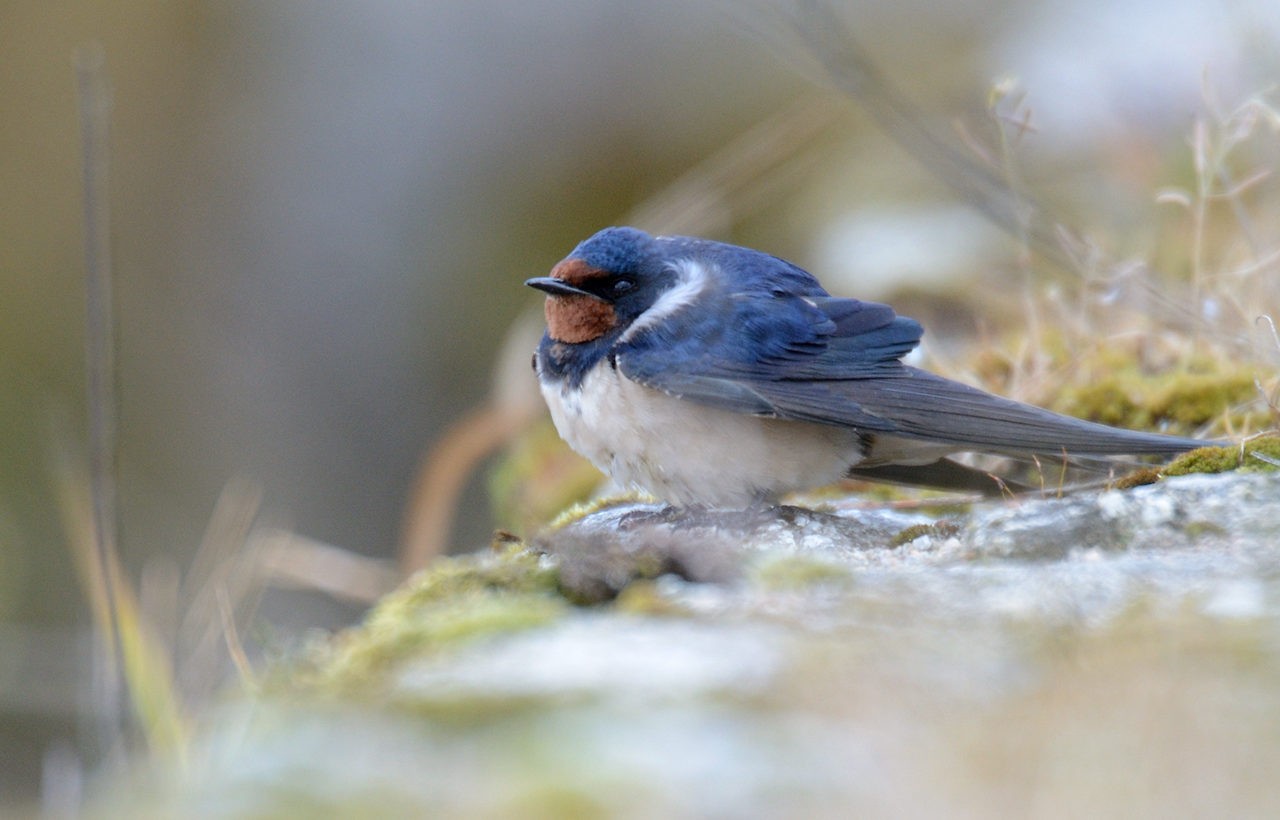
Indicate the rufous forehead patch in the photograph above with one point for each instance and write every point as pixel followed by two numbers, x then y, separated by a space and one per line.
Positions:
pixel 576 271
pixel 577 319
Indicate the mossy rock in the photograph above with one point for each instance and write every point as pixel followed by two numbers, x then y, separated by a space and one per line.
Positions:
pixel 1259 455
pixel 453 602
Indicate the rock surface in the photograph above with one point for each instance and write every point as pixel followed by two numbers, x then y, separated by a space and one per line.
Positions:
pixel 1109 654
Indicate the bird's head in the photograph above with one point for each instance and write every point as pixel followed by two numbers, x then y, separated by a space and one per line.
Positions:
pixel 603 286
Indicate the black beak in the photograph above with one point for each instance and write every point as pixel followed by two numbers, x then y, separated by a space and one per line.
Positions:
pixel 557 287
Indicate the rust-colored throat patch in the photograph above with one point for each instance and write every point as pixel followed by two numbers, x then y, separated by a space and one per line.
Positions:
pixel 576 319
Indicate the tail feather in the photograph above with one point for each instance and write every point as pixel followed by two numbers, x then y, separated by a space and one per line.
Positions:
pixel 943 474
pixel 935 409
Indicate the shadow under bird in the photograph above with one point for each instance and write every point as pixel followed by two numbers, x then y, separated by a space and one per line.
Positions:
pixel 715 375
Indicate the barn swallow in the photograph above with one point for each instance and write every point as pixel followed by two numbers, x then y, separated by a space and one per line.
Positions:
pixel 714 375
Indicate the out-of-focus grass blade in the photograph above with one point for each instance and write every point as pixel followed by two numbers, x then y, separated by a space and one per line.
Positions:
pixel 146 666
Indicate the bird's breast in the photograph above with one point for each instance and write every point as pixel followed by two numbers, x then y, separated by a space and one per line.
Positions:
pixel 688 453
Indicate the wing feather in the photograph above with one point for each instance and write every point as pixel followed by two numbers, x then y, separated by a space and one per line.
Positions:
pixel 838 361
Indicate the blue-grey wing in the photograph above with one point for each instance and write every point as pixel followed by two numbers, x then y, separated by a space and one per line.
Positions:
pixel 788 357
pixel 838 361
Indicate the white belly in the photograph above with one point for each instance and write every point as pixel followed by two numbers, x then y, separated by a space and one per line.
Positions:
pixel 687 453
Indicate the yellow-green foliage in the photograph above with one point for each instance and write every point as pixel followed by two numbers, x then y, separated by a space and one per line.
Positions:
pixel 453 601
pixel 536 478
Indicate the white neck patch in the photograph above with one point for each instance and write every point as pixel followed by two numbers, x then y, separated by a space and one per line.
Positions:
pixel 692 279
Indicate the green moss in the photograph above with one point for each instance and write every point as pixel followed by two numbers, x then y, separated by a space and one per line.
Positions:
pixel 454 601
pixel 1192 400
pixel 1137 478
pixel 552 800
pixel 1205 460
pixel 583 509
pixel 1128 398
pixel 796 572
pixel 1233 457
pixel 642 597
pixel 1108 402
pixel 1196 529
pixel 1260 454
pixel 938 529
pixel 511 568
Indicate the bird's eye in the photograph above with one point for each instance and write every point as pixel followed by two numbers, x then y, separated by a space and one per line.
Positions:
pixel 622 285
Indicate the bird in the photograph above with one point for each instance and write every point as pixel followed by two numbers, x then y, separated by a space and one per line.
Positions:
pixel 712 375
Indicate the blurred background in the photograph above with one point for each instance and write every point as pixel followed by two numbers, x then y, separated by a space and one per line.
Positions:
pixel 322 214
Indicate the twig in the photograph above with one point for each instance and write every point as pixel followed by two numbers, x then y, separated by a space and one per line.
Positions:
pixel 234 648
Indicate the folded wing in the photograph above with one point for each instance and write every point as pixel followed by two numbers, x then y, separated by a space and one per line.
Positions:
pixel 838 361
